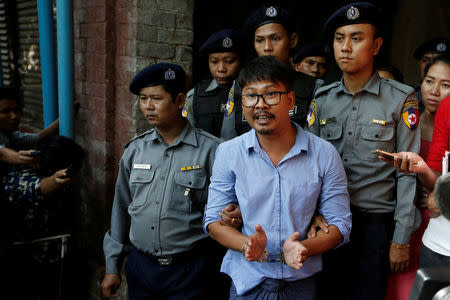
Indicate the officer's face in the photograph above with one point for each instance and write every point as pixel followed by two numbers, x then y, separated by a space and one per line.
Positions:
pixel 315 66
pixel 265 119
pixel 355 48
pixel 224 67
pixel 272 39
pixel 424 60
pixel 9 115
pixel 435 86
pixel 158 108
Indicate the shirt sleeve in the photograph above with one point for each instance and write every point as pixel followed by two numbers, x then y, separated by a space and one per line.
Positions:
pixel 334 198
pixel 24 140
pixel 406 215
pixel 441 135
pixel 221 189
pixel 188 110
pixel 116 241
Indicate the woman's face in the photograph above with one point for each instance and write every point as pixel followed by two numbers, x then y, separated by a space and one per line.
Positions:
pixel 436 86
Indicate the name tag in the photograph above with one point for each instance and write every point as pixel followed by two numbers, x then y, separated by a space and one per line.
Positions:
pixel 142 166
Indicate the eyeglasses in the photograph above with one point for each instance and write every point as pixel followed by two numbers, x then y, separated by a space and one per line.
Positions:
pixel 269 98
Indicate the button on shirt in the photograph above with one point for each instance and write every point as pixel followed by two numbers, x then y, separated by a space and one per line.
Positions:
pixel 281 199
pixel 356 124
pixel 160 194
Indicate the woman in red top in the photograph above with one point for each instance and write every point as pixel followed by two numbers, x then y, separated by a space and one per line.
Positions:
pixel 435 87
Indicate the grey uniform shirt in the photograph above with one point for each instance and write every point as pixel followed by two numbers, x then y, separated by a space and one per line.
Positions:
pixel 383 115
pixel 160 194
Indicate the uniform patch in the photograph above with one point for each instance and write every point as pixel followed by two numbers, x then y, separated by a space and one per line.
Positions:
pixel 230 102
pixel 310 118
pixel 411 118
pixel 410 102
pixel 185 110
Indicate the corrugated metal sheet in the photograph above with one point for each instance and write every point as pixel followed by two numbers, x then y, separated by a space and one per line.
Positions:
pixel 6 56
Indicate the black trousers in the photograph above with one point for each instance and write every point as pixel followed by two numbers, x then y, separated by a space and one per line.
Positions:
pixel 359 269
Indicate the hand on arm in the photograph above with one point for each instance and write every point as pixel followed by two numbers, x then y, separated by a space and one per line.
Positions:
pixel 110 285
pixel 231 216
pixel 317 221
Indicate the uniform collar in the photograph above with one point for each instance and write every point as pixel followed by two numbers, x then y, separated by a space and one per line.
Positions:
pixel 212 85
pixel 187 136
pixel 372 86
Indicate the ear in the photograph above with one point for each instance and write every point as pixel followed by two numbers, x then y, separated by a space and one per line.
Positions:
pixel 377 45
pixel 180 100
pixel 293 40
pixel 291 97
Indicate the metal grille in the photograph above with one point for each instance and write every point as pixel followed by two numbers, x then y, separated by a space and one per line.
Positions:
pixel 6 54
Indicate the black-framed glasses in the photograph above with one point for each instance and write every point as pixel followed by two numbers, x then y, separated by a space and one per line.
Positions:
pixel 269 98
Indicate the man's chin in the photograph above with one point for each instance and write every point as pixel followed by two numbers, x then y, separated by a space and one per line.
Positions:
pixel 264 131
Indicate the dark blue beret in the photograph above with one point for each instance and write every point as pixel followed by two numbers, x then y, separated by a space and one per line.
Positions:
pixel 157 74
pixel 435 45
pixel 311 49
pixel 353 13
pixel 266 15
pixel 226 40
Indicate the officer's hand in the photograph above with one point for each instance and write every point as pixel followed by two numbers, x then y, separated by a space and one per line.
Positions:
pixel 431 204
pixel 399 259
pixel 318 223
pixel 110 285
pixel 231 216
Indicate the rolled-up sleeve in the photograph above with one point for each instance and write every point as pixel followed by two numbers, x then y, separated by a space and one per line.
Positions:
pixel 221 189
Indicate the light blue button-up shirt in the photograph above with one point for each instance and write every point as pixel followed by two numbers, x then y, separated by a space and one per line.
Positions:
pixel 281 199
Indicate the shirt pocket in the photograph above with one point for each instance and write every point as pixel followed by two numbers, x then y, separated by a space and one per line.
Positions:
pixel 189 191
pixel 140 182
pixel 375 137
pixel 331 132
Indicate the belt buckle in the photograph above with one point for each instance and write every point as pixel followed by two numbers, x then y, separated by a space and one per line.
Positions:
pixel 165 261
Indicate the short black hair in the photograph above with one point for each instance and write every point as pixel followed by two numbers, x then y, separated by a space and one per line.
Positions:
pixel 57 153
pixel 10 93
pixel 442 195
pixel 393 70
pixel 443 58
pixel 266 68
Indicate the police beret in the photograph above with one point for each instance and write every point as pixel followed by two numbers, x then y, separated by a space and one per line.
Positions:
pixel 435 45
pixel 226 40
pixel 162 73
pixel 266 15
pixel 311 49
pixel 353 13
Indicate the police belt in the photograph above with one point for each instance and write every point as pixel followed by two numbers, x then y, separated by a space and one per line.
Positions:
pixel 374 218
pixel 166 260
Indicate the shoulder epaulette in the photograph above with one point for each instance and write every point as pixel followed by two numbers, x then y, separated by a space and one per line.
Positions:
pixel 399 86
pixel 208 135
pixel 326 88
pixel 139 136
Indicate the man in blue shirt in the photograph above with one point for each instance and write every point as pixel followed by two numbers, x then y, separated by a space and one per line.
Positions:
pixel 279 175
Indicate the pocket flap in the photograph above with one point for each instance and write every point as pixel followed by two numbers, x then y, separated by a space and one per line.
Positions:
pixel 377 133
pixel 195 179
pixel 331 132
pixel 141 176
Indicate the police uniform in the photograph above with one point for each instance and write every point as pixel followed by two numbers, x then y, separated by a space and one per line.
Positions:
pixel 160 194
pixel 433 46
pixel 234 122
pixel 205 103
pixel 383 115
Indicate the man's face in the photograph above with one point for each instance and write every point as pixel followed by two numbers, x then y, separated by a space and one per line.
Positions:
pixel 424 60
pixel 355 48
pixel 315 66
pixel 267 119
pixel 272 39
pixel 158 108
pixel 9 115
pixel 224 67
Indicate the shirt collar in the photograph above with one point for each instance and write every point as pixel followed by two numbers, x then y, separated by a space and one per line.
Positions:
pixel 187 136
pixel 300 145
pixel 372 86
pixel 212 85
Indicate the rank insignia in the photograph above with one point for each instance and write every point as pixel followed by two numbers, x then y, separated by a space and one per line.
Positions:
pixel 411 118
pixel 310 118
pixel 188 168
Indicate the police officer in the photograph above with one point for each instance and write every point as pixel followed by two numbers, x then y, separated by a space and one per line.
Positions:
pixel 160 194
pixel 312 59
pixel 272 32
pixel 205 103
pixel 424 53
pixel 359 114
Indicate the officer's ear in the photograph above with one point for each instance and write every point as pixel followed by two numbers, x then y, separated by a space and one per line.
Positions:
pixel 377 45
pixel 180 100
pixel 293 40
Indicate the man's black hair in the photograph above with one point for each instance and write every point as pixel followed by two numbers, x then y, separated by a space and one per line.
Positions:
pixel 173 90
pixel 444 58
pixel 442 195
pixel 57 153
pixel 266 68
pixel 10 93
